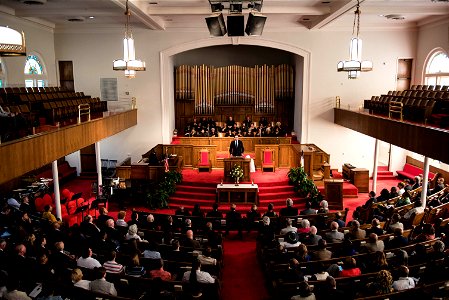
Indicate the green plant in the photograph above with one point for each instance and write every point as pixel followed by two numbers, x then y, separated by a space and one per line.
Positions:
pixel 158 198
pixel 236 172
pixel 304 185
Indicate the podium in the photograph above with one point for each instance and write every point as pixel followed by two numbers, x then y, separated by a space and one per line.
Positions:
pixel 229 163
pixel 333 193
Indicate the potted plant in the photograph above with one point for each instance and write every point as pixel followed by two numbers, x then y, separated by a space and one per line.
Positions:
pixel 159 197
pixel 304 185
pixel 236 173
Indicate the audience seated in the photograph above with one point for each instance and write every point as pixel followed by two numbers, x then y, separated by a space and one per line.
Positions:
pixel 100 284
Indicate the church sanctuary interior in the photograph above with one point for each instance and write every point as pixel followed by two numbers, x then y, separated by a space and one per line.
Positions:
pixel 224 149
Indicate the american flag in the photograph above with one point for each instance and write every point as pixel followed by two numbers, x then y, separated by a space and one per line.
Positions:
pixel 166 164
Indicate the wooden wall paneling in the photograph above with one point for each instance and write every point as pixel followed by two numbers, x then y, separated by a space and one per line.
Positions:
pixel 284 156
pixel 123 172
pixel 212 152
pixel 184 151
pixel 27 154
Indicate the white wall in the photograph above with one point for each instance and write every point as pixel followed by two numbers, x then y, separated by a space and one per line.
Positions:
pixel 327 48
pixel 39 40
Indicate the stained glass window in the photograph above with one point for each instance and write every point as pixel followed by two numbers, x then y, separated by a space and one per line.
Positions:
pixel 34 72
pixel 437 69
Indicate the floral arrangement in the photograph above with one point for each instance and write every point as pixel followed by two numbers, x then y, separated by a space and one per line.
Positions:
pixel 236 172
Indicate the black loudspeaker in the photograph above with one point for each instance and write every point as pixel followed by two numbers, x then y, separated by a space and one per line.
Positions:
pixel 255 24
pixel 216 25
pixel 236 25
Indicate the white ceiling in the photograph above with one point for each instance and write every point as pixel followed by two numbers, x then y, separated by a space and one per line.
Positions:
pixel 188 15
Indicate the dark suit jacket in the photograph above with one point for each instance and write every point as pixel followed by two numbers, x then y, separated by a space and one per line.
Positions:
pixel 289 211
pixel 236 150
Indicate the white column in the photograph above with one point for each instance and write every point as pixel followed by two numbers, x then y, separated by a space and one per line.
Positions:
pixel 54 166
pixel 425 181
pixel 100 178
pixel 376 158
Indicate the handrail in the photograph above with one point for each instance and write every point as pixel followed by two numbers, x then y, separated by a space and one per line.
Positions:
pixel 83 109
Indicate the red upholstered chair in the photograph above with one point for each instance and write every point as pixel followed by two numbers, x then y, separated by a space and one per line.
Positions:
pixel 39 203
pixel 48 200
pixel 204 160
pixel 268 159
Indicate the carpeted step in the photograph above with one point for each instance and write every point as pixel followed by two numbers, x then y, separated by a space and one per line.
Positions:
pixel 280 195
pixel 196 189
pixel 199 184
pixel 382 168
pixel 386 177
pixel 195 195
pixel 191 201
pixel 275 189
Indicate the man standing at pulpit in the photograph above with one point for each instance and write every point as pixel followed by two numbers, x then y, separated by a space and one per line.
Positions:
pixel 236 147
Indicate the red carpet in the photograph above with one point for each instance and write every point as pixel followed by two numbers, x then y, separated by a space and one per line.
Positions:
pixel 242 277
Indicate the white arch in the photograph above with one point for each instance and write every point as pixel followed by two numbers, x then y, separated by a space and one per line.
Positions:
pixel 430 56
pixel 166 77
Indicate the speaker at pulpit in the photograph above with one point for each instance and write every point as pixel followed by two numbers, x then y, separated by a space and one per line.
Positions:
pixel 229 163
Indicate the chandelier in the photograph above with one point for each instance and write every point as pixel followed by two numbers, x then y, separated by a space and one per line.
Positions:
pixel 355 65
pixel 129 63
pixel 12 42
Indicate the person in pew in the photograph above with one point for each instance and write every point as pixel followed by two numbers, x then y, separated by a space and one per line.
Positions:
pixel 289 227
pixel 176 254
pixel 322 253
pixel 404 200
pixel 309 210
pixel 324 207
pixel 427 234
pixel 134 219
pixel 384 195
pixel 49 216
pixel 445 197
pixel 399 240
pixel 88 228
pixel 270 211
pixel 252 218
pixel 304 292
pixel 334 236
pixel 289 210
pixel 290 240
pixel 213 238
pixel 86 260
pixel 312 238
pixel 382 284
pixel 377 263
pixel 416 182
pixel 401 188
pixel 113 234
pixel 302 254
pixel 190 242
pixel 417 209
pixel 134 268
pixel 62 259
pixel 439 186
pixel 372 199
pixel 338 219
pixel 159 272
pixel 404 282
pixel 187 226
pixel 355 232
pixel 305 227
pixel 400 258
pixel 100 285
pixel 14 292
pixel 48 292
pixel 104 244
pixel 293 273
pixel 395 223
pixel 78 281
pixel 408 185
pixel 151 251
pixel 195 275
pixel 330 291
pixel 234 220
pixel 375 227
pixel 321 273
pixel 349 268
pixel 102 218
pixel 132 234
pixel 206 257
pixel 111 265
pixel 197 212
pixel 266 232
pixel 214 213
pixel 182 211
pixel 121 219
pixel 393 192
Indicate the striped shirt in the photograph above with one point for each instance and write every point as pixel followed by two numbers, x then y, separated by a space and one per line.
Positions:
pixel 113 267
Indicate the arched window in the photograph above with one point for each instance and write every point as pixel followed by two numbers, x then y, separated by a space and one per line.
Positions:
pixel 437 69
pixel 34 72
pixel 2 74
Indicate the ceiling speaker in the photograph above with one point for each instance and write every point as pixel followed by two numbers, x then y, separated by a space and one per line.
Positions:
pixel 236 25
pixel 255 24
pixel 216 25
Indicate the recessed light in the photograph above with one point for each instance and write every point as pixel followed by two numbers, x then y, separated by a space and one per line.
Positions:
pixel 325 2
pixel 306 19
pixel 395 17
pixel 91 17
pixel 153 3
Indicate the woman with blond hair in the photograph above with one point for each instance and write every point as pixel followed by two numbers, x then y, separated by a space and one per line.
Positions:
pixel 382 284
pixel 78 281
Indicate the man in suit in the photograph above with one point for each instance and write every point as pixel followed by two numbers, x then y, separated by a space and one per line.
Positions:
pixel 190 242
pixel 334 236
pixel 100 285
pixel 289 210
pixel 236 147
pixel 234 220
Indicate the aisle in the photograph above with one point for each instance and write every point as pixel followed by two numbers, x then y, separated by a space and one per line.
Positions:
pixel 242 277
